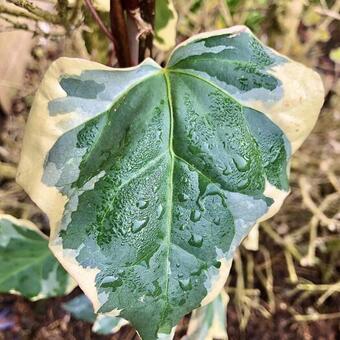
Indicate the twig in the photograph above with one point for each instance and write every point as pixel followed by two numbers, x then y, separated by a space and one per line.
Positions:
pixel 321 27
pixel 331 290
pixel 328 13
pixel 307 200
pixel 291 268
pixel 316 316
pixel 99 21
pixel 16 25
pixel 268 280
pixel 76 11
pixel 31 8
pixel 319 287
pixel 224 8
pixel 286 242
pixel 17 13
pixel 25 27
pixel 326 167
pixel 144 28
pixel 62 12
pixel 7 170
pixel 147 9
pixel 248 291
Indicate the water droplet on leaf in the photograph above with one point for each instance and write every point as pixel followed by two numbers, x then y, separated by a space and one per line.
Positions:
pixel 138 225
pixel 183 197
pixel 160 211
pixel 241 163
pixel 242 183
pixel 195 215
pixel 111 281
pixel 217 220
pixel 196 240
pixel 217 264
pixel 228 169
pixel 185 284
pixel 142 204
pixel 182 302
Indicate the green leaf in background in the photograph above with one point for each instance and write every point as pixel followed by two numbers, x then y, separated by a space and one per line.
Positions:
pixel 209 322
pixel 151 177
pixel 335 55
pixel 165 24
pixel 106 324
pixel 81 308
pixel 27 266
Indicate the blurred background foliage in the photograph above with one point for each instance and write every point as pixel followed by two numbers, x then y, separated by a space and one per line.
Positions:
pixel 285 278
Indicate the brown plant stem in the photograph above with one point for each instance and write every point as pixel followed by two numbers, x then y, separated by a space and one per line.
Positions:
pixel 139 25
pixel 120 33
pixel 130 6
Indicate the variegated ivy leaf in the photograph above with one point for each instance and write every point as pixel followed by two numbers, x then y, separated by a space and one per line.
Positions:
pixel 81 308
pixel 106 324
pixel 27 266
pixel 152 176
pixel 209 322
pixel 165 24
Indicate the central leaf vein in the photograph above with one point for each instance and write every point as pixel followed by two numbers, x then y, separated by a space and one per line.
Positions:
pixel 170 194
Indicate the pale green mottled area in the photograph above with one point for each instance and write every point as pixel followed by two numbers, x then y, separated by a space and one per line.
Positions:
pixel 237 63
pixel 94 91
pixel 81 308
pixel 165 181
pixel 27 266
pixel 209 322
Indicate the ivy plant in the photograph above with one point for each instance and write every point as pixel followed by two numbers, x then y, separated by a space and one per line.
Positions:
pixel 151 177
pixel 209 321
pixel 81 308
pixel 27 266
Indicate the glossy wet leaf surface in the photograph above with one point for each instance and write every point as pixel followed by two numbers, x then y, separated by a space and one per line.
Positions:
pixel 158 174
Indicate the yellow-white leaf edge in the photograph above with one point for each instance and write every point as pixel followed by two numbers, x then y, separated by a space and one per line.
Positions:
pixel 295 114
